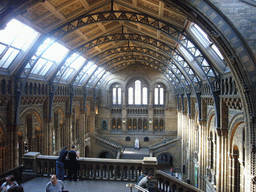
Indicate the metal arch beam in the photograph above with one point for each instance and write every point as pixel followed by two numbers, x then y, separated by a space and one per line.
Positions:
pixel 183 71
pixel 146 52
pixel 132 37
pixel 141 18
pixel 149 52
pixel 159 64
pixel 124 64
pixel 138 38
pixel 126 37
pixel 21 77
pixel 129 49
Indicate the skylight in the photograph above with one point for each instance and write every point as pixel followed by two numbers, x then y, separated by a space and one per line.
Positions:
pixel 50 53
pixel 202 32
pixel 208 48
pixel 13 41
pixel 73 64
pixel 86 73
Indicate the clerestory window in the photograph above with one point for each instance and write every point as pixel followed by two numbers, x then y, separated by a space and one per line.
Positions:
pixel 137 93
pixel 159 95
pixel 116 95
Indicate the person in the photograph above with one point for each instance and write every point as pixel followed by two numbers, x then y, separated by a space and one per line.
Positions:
pixel 10 182
pixel 171 171
pixel 73 165
pixel 54 185
pixel 145 182
pixel 16 188
pixel 60 170
pixel 142 176
pixel 137 144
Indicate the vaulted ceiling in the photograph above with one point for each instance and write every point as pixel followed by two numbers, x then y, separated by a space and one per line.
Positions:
pixel 119 33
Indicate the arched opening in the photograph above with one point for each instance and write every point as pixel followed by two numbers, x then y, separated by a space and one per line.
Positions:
pixel 86 151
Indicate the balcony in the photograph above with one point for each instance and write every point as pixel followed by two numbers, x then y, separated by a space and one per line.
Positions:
pixel 97 174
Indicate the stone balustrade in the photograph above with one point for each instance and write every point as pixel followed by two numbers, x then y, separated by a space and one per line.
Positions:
pixel 167 183
pixel 107 169
pixel 92 168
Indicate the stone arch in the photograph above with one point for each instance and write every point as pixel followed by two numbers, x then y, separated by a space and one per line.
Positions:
pixel 114 81
pixel 131 78
pixel 30 134
pixel 166 84
pixel 235 132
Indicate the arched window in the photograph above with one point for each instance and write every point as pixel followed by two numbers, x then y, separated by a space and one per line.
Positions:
pixel 116 95
pixel 137 93
pixel 159 95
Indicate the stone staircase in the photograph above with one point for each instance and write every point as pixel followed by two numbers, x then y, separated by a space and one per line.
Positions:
pixel 131 153
pixel 109 144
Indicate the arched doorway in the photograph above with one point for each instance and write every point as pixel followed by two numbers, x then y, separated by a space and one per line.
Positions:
pixel 86 151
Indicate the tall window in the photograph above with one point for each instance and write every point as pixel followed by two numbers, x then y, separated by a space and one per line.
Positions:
pixel 159 95
pixel 137 93
pixel 116 95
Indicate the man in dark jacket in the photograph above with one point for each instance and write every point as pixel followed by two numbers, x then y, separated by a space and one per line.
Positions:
pixel 72 168
pixel 60 170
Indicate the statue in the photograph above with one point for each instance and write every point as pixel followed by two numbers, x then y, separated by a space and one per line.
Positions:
pixel 137 144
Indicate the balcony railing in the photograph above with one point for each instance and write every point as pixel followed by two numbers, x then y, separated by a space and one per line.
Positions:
pixel 108 169
pixel 167 183
pixel 92 168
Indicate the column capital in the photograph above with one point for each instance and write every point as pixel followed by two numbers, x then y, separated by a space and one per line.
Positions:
pixel 222 132
pixel 202 122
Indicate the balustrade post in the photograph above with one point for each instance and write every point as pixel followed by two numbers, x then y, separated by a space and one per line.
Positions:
pixel 29 163
pixel 150 164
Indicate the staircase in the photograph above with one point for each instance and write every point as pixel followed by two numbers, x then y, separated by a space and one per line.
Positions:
pixel 131 153
pixel 109 144
pixel 162 146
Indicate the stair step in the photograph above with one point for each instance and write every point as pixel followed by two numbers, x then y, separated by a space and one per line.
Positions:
pixel 131 153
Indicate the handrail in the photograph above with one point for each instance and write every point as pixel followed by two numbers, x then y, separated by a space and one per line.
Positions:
pixel 92 168
pixel 164 178
pixel 162 145
pixel 131 185
pixel 107 169
pixel 108 142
